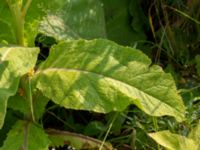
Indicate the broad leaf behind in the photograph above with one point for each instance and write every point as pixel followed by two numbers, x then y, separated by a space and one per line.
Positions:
pixel 77 19
pixel 61 19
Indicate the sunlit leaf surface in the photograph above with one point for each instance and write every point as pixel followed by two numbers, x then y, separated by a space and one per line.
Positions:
pixel 102 76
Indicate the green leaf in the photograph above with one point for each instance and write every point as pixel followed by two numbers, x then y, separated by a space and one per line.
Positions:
pixel 21 103
pixel 6 28
pixel 102 76
pixel 139 20
pixel 174 141
pixel 39 103
pixel 14 138
pixel 10 119
pixel 94 128
pixel 118 24
pixel 77 19
pixel 3 66
pixel 37 11
pixel 37 138
pixel 20 61
pixel 26 134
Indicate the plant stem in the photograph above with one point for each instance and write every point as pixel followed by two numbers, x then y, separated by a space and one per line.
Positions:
pixel 19 15
pixel 25 145
pixel 31 101
pixel 18 20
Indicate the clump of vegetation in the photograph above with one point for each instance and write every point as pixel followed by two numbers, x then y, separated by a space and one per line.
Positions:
pixel 98 74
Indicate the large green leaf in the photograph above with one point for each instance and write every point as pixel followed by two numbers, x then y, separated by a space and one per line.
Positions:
pixel 61 19
pixel 102 76
pixel 26 134
pixel 20 61
pixel 174 141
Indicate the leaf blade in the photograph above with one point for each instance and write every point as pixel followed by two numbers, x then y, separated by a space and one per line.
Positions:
pixel 20 61
pixel 173 141
pixel 24 133
pixel 108 77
